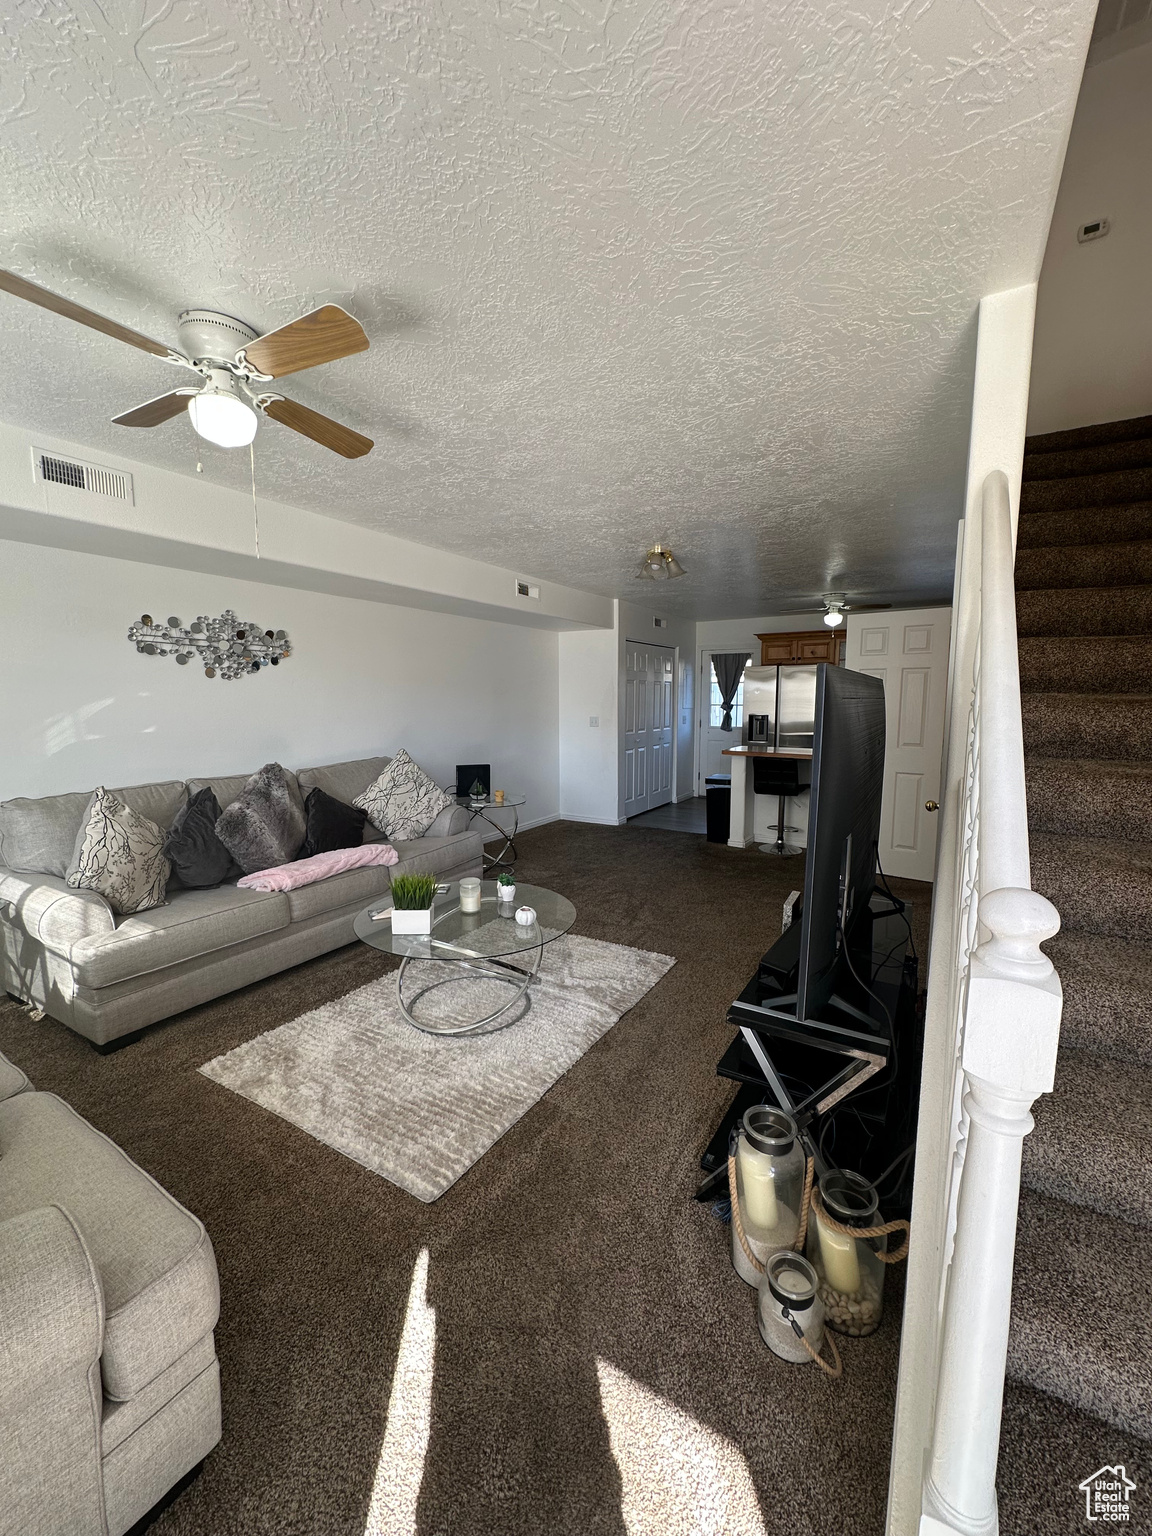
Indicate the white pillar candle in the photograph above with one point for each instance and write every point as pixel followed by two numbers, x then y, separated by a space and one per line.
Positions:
pixel 469 895
pixel 838 1256
pixel 759 1188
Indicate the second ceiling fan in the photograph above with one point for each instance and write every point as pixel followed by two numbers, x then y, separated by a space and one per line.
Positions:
pixel 234 361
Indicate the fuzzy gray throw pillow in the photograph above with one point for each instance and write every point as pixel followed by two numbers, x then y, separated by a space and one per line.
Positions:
pixel 120 855
pixel 263 827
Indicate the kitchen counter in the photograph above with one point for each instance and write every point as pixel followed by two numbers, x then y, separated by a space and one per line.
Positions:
pixel 757 749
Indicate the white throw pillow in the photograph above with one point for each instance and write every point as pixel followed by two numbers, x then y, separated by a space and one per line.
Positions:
pixel 119 854
pixel 403 802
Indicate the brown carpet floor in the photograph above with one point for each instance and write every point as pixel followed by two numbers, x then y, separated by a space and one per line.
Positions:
pixel 574 1240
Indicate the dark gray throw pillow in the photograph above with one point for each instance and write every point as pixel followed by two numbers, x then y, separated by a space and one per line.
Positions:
pixel 330 824
pixel 197 856
pixel 263 827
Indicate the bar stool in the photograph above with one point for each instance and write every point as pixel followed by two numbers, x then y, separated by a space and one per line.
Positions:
pixel 782 776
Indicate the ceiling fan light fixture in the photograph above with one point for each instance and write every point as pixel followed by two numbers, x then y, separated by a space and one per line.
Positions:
pixel 221 416
pixel 834 618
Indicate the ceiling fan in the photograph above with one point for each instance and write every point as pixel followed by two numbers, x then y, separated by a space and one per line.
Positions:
pixel 233 360
pixel 835 605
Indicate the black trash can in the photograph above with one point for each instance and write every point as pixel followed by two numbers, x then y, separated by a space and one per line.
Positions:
pixel 718 793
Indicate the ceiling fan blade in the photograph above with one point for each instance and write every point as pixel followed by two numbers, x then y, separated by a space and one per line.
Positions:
pixel 865 607
pixel 320 337
pixel 153 412
pixel 321 429
pixel 23 289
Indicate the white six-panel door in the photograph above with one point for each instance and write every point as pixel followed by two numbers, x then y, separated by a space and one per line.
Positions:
pixel 649 726
pixel 908 651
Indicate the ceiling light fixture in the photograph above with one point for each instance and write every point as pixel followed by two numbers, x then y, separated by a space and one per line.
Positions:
pixel 220 414
pixel 659 564
pixel 835 616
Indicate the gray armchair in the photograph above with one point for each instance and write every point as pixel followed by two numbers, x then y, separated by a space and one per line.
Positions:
pixel 109 1388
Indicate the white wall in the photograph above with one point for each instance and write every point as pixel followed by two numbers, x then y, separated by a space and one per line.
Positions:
pixel 183 522
pixel 588 687
pixel 79 706
pixel 1092 358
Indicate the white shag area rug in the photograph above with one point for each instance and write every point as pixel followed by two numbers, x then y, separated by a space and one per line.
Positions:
pixel 420 1109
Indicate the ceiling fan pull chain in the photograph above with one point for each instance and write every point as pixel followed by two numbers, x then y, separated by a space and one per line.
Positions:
pixel 255 513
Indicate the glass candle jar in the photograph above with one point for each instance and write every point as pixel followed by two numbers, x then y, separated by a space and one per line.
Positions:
pixel 850 1268
pixel 789 1309
pixel 769 1185
pixel 469 895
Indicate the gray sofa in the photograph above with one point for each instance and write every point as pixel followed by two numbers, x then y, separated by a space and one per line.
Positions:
pixel 108 977
pixel 110 1388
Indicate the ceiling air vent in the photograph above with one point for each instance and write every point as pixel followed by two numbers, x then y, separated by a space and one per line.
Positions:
pixel 52 469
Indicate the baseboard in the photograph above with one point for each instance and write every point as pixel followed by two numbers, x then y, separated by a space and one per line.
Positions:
pixel 525 826
pixel 593 821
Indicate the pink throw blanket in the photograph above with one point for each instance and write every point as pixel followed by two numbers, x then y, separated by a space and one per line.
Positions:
pixel 287 877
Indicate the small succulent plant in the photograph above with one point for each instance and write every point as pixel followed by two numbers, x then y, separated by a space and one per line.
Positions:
pixel 505 879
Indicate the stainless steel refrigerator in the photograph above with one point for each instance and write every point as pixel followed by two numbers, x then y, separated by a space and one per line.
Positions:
pixel 780 706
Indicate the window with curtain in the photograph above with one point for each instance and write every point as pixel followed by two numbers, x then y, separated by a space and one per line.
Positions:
pixel 716 702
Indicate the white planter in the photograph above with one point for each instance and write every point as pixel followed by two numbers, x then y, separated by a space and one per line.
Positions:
pixel 412 920
pixel 505 894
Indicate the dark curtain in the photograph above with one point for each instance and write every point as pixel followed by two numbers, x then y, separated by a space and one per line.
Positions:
pixel 729 668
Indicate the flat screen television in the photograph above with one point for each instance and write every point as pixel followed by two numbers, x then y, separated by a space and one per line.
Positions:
pixel 843 831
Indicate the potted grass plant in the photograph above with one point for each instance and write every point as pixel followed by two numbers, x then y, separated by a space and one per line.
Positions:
pixel 412 899
pixel 505 888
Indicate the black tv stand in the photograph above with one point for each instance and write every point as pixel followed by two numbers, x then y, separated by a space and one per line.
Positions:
pixel 810 1067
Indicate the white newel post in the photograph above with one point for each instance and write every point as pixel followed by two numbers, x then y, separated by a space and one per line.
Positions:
pixel 1011 1029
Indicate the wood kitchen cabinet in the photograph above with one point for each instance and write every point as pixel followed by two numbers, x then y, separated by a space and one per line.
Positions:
pixel 801 645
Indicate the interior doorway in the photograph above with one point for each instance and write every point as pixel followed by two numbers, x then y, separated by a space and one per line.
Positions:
pixel 649 725
pixel 710 739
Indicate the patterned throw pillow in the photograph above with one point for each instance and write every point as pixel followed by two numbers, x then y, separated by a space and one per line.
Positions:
pixel 403 802
pixel 119 854
pixel 263 827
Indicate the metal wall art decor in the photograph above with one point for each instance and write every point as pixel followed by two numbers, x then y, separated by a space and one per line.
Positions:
pixel 226 647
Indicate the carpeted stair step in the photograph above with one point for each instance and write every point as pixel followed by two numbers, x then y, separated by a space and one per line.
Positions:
pixel 1085 611
pixel 1081 1318
pixel 1041 1438
pixel 1086 664
pixel 1088 437
pixel 1086 491
pixel 1107 986
pixel 1092 1144
pixel 1132 453
pixel 1096 725
pixel 1087 797
pixel 1084 565
pixel 1085 525
pixel 1097 886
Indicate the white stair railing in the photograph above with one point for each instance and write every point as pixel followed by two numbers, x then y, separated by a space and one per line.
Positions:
pixel 992 1026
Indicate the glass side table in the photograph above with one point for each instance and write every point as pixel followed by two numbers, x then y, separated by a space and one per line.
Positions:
pixel 483 809
pixel 489 944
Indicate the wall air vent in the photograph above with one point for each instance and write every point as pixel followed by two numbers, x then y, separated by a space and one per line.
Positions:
pixel 53 469
pixel 659 623
pixel 525 589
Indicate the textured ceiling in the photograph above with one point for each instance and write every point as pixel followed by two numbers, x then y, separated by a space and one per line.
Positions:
pixel 705 272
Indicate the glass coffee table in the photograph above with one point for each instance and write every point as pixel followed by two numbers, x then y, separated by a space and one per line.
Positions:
pixel 489 944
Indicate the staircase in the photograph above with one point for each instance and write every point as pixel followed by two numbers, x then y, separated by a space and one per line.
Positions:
pixel 1082 1293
